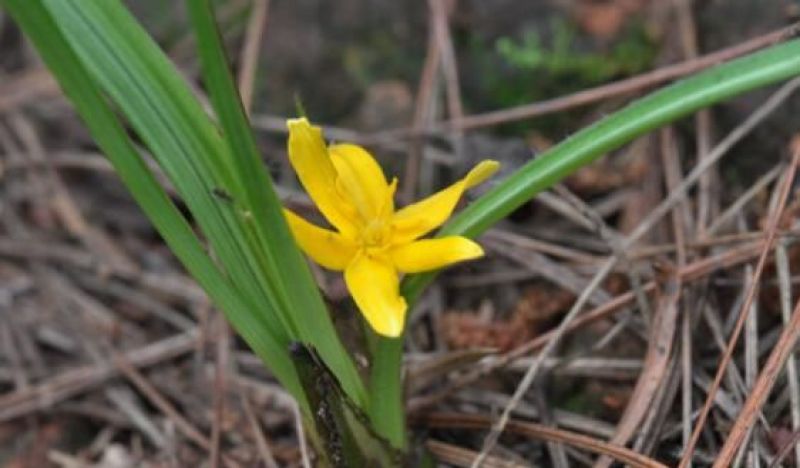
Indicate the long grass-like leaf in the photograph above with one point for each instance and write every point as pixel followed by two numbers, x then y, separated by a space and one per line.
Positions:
pixel 38 25
pixel 171 122
pixel 245 227
pixel 305 309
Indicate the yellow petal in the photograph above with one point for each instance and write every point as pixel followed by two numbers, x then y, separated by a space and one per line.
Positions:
pixel 309 157
pixel 361 179
pixel 420 218
pixel 375 287
pixel 430 254
pixel 328 248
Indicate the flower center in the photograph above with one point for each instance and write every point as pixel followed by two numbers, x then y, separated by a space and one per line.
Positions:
pixel 375 234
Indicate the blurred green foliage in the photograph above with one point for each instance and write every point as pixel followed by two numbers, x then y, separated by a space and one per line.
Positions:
pixel 543 64
pixel 631 54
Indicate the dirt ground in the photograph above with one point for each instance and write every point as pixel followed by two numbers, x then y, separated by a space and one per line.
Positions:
pixel 111 356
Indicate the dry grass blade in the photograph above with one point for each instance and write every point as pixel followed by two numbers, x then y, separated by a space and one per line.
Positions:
pixel 538 431
pixel 305 457
pixel 785 283
pixel 441 9
pixel 459 456
pixel 27 86
pixel 261 440
pixel 250 51
pixel 775 362
pixel 672 171
pixel 659 349
pixel 160 402
pixel 743 313
pixel 703 123
pixel 424 106
pixel 662 331
pixel 222 368
pixel 757 187
pixel 549 347
pixel 691 272
pixel 78 380
pixel 786 450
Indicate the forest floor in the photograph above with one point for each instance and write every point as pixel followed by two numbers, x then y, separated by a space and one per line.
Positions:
pixel 676 248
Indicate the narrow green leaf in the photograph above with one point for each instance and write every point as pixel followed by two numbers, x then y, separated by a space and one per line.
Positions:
pixel 38 25
pixel 160 107
pixel 306 313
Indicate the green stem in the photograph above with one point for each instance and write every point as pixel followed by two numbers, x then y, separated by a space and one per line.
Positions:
pixel 386 409
pixel 760 69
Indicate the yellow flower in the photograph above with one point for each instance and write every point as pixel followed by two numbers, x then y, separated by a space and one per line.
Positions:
pixel 373 244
